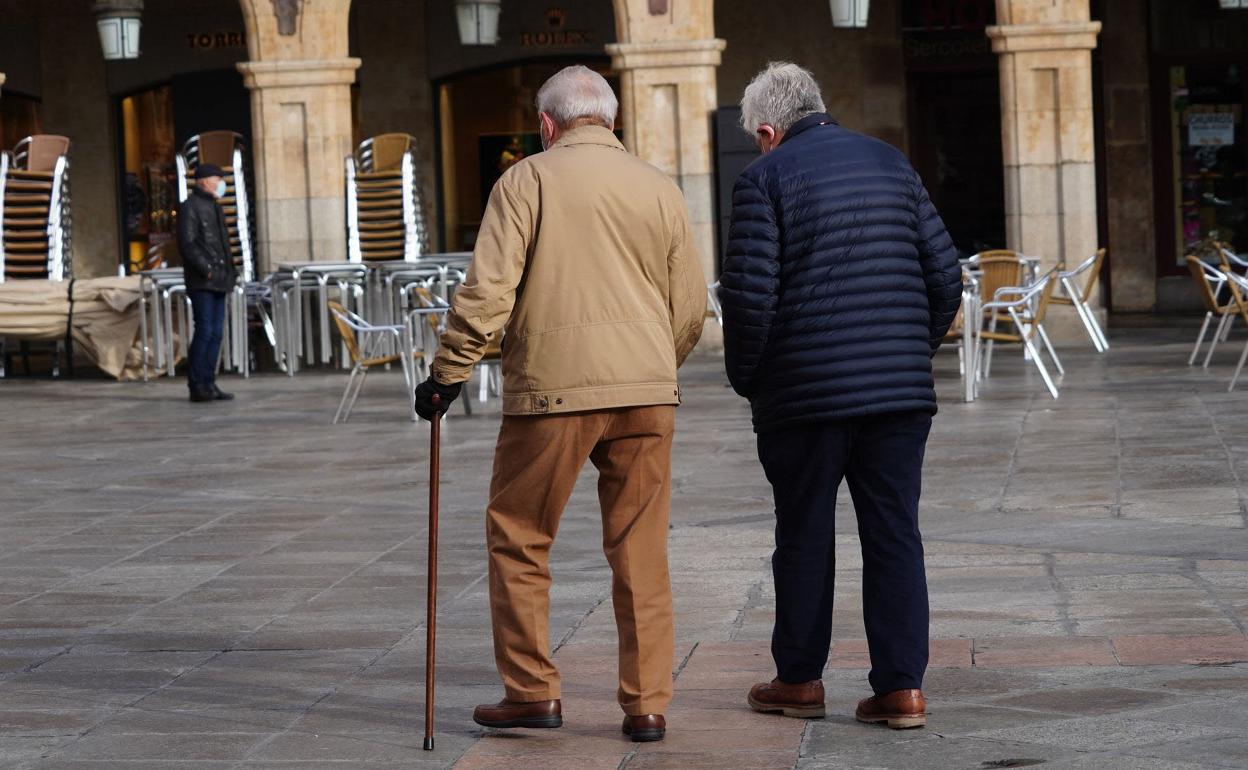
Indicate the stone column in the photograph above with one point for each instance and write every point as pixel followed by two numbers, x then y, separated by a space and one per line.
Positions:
pixel 1045 49
pixel 300 79
pixel 666 59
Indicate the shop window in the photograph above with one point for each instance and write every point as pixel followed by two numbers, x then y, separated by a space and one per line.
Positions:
pixel 1210 176
pixel 149 184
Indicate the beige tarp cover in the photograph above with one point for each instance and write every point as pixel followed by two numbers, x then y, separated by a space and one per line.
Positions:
pixel 106 318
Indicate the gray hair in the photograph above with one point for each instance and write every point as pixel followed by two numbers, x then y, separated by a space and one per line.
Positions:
pixel 577 92
pixel 779 96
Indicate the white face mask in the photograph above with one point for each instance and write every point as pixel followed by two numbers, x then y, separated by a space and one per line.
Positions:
pixel 221 189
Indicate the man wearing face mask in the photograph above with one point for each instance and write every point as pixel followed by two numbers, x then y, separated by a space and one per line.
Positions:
pixel 204 243
pixel 838 285
pixel 585 259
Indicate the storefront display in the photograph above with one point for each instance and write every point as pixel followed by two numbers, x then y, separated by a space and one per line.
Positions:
pixel 150 182
pixel 1210 162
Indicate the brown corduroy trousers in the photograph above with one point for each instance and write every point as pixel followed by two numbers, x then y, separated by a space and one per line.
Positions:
pixel 535 468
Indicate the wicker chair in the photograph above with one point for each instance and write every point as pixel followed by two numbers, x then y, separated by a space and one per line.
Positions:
pixel 364 341
pixel 1072 295
pixel 995 270
pixel 1238 285
pixel 385 217
pixel 1025 308
pixel 1211 282
pixel 35 240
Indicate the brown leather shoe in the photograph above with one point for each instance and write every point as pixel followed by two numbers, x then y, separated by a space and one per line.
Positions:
pixel 802 701
pixel 900 710
pixel 507 713
pixel 645 727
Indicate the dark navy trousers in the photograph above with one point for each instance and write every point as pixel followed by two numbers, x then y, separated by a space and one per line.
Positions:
pixel 208 309
pixel 881 458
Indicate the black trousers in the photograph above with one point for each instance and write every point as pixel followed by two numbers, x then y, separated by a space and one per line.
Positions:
pixel 881 457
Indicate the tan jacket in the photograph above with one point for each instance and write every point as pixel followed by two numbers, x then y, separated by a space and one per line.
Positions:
pixel 584 258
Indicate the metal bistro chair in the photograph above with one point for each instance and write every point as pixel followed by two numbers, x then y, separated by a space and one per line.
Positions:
pixel 1072 295
pixel 995 270
pixel 964 334
pixel 424 327
pixel 1230 263
pixel 1025 308
pixel 714 308
pixel 364 354
pixel 1239 287
pixel 1210 282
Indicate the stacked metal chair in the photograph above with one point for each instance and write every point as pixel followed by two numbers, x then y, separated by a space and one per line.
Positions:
pixel 35 239
pixel 225 149
pixel 385 220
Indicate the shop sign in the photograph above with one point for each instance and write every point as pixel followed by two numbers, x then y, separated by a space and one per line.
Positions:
pixel 207 41
pixel 946 49
pixel 1210 129
pixel 947 15
pixel 555 36
pixel 947 33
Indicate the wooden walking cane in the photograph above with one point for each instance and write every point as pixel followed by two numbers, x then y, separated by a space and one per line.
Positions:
pixel 431 602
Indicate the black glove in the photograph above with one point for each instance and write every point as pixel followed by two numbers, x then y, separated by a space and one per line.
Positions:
pixel 425 392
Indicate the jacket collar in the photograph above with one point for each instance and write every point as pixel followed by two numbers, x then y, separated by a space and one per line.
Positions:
pixel 197 190
pixel 808 122
pixel 589 135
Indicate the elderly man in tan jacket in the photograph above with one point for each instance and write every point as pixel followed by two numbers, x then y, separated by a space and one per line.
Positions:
pixel 585 262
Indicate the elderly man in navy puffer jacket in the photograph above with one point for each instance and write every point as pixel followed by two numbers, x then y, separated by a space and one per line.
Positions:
pixel 839 283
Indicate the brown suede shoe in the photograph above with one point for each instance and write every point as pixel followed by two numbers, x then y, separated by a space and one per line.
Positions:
pixel 900 710
pixel 802 701
pixel 645 727
pixel 506 713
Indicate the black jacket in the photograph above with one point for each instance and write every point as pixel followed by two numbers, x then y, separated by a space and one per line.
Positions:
pixel 839 281
pixel 204 243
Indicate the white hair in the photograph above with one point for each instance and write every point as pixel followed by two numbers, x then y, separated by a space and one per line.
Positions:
pixel 577 92
pixel 779 96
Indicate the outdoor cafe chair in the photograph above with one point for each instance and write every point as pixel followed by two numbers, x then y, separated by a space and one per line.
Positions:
pixel 1076 296
pixel 995 270
pixel 713 307
pixel 424 327
pixel 963 334
pixel 1025 308
pixel 1231 263
pixel 1210 282
pixel 365 341
pixel 1238 285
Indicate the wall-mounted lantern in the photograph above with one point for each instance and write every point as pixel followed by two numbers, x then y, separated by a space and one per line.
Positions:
pixel 478 21
pixel 850 13
pixel 119 23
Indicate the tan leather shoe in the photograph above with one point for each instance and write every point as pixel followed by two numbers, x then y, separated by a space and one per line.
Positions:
pixel 801 701
pixel 506 713
pixel 900 710
pixel 645 727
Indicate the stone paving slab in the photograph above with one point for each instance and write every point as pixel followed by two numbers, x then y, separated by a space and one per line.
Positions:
pixel 242 585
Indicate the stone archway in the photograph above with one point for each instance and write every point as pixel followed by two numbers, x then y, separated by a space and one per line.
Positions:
pixel 300 75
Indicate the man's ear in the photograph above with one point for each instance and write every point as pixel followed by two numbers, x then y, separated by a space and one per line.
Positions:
pixel 766 138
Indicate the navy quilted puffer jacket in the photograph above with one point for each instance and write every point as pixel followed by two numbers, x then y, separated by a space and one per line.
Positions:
pixel 839 283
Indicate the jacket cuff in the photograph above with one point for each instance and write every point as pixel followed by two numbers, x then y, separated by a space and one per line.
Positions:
pixel 446 375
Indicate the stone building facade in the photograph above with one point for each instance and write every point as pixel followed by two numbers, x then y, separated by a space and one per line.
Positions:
pixel 1041 125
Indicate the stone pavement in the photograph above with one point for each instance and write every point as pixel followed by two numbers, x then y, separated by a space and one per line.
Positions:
pixel 242 585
